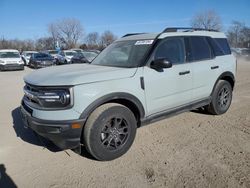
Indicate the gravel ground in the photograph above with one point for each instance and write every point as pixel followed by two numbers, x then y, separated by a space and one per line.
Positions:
pixel 188 150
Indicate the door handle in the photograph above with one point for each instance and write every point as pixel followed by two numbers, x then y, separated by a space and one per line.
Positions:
pixel 184 72
pixel 214 67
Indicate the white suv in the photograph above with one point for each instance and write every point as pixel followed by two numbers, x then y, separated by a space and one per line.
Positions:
pixel 10 60
pixel 138 79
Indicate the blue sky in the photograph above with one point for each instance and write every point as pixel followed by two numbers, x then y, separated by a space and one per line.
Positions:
pixel 23 19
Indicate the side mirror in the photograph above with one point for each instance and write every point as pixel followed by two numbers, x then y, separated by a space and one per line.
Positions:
pixel 160 64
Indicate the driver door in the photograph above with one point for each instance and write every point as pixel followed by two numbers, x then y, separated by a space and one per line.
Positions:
pixel 168 88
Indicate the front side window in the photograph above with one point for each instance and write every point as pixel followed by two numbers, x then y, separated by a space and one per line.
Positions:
pixel 125 54
pixel 171 49
pixel 200 49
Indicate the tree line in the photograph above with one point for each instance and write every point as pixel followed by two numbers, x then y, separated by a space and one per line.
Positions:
pixel 69 33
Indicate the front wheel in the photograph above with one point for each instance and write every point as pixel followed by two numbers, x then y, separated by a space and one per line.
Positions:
pixel 221 98
pixel 109 131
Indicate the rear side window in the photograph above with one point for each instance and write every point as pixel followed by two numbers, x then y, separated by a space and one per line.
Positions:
pixel 222 42
pixel 200 49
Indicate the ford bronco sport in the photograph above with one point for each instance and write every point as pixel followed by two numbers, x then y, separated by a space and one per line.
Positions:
pixel 138 79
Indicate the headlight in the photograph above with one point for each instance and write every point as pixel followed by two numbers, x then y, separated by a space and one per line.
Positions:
pixel 2 62
pixel 48 98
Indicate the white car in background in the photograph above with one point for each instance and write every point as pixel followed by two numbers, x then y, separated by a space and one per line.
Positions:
pixel 10 60
pixel 26 56
pixel 53 53
pixel 64 57
pixel 77 50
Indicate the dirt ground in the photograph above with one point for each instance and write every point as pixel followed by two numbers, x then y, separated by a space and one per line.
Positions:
pixel 188 150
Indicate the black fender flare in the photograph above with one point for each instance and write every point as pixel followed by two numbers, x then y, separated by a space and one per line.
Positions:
pixel 224 74
pixel 111 97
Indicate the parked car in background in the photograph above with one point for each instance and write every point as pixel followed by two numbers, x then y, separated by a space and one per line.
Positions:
pixel 79 58
pixel 83 57
pixel 96 51
pixel 26 56
pixel 53 53
pixel 81 50
pixel 245 53
pixel 10 60
pixel 64 57
pixel 77 50
pixel 40 60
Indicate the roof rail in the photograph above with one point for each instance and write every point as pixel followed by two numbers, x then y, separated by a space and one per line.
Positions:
pixel 185 29
pixel 131 34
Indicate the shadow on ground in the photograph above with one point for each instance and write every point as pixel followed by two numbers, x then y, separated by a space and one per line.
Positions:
pixel 5 180
pixel 28 135
pixel 31 137
pixel 201 111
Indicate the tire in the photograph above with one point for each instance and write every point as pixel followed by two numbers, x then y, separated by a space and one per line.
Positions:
pixel 221 98
pixel 103 138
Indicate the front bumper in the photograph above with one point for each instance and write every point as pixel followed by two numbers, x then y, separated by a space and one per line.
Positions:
pixel 12 67
pixel 60 132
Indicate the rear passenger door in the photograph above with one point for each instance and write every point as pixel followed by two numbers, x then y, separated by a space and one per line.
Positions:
pixel 170 87
pixel 204 66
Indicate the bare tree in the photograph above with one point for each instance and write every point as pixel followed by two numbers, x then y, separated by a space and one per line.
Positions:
pixel 44 43
pixel 107 38
pixel 238 34
pixel 53 31
pixel 67 31
pixel 93 40
pixel 207 20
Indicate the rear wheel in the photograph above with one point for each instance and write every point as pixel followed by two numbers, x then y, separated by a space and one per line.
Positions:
pixel 221 98
pixel 109 131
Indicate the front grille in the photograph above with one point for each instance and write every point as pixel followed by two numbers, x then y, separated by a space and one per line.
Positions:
pixel 12 65
pixel 11 62
pixel 47 98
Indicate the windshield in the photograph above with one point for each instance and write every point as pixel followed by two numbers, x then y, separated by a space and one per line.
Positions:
pixel 70 53
pixel 30 54
pixel 76 50
pixel 9 55
pixel 123 54
pixel 41 56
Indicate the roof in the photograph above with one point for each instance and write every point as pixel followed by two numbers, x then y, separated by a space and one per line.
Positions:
pixel 147 36
pixel 151 36
pixel 30 52
pixel 69 51
pixel 212 34
pixel 8 50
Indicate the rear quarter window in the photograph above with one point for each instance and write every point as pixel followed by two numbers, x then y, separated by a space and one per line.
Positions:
pixel 216 48
pixel 222 42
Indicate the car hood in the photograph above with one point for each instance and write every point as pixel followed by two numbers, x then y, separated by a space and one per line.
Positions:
pixel 10 59
pixel 76 74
